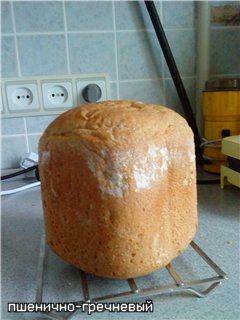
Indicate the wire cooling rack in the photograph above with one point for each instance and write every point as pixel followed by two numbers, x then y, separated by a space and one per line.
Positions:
pixel 134 292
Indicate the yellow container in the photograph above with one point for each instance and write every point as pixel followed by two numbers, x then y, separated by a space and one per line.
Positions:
pixel 221 114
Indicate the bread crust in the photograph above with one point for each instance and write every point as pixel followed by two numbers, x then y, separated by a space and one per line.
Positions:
pixel 118 187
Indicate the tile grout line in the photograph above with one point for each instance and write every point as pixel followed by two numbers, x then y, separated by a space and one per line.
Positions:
pixel 39 33
pixel 53 33
pixel 20 135
pixel 35 134
pixel 13 135
pixel 66 36
pixel 19 67
pixel 115 47
pixel 139 80
pixel 152 79
pixel 26 133
pixel 15 39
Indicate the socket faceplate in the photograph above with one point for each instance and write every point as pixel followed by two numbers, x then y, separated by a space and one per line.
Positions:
pixel 46 95
pixel 22 97
pixel 57 95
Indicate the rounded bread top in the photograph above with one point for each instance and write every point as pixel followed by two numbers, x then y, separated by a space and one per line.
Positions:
pixel 117 121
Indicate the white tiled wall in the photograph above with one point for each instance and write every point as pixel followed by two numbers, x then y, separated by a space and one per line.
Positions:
pixel 114 37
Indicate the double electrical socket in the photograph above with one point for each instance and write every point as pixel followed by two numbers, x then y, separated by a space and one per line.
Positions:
pixel 49 95
pixel 57 95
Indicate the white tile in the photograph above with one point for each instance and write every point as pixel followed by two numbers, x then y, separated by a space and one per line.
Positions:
pixel 139 55
pixel 33 141
pixel 12 126
pixel 114 95
pixel 38 16
pixel 39 123
pixel 183 47
pixel 133 15
pixel 8 57
pixel 42 54
pixel 92 53
pixel 150 91
pixel 179 14
pixel 13 148
pixel 89 15
pixel 6 17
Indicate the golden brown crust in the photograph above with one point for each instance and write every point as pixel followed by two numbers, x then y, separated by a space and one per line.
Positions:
pixel 118 187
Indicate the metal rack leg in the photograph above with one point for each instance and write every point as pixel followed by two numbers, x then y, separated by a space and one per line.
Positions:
pixel 40 272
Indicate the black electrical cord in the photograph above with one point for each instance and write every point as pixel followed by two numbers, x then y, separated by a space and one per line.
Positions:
pixel 15 174
pixel 175 76
pixel 213 181
pixel 182 94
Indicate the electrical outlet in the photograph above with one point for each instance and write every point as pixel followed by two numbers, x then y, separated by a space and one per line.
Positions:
pixel 47 95
pixel 22 97
pixel 82 84
pixel 57 94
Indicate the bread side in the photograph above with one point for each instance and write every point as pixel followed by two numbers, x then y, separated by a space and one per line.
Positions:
pixel 118 187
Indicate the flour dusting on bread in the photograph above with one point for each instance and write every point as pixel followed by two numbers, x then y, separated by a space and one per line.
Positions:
pixel 151 167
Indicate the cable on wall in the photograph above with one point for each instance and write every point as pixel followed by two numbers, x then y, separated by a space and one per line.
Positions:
pixel 175 76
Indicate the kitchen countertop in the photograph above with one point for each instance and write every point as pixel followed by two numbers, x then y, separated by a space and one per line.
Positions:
pixel 218 236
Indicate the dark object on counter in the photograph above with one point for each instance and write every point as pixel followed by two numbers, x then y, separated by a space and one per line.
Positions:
pixel 234 164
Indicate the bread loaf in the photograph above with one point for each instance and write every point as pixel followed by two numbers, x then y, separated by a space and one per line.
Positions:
pixel 118 187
